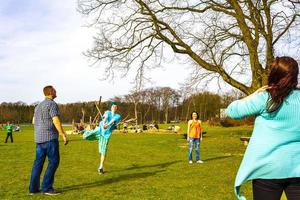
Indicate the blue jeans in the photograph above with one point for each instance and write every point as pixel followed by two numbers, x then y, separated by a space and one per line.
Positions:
pixel 193 141
pixel 272 189
pixel 48 149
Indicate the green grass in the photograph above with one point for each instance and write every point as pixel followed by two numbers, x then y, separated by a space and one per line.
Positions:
pixel 138 166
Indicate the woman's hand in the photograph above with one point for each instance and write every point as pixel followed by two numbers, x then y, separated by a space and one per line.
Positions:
pixel 263 88
pixel 104 126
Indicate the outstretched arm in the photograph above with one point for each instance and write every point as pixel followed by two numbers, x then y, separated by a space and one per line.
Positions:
pixel 115 120
pixel 251 105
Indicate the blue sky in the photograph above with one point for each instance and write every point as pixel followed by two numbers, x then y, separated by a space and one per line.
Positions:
pixel 41 43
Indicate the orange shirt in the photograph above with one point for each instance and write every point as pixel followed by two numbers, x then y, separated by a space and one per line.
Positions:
pixel 195 129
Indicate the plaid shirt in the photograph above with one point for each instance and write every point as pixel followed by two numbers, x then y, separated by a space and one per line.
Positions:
pixel 44 129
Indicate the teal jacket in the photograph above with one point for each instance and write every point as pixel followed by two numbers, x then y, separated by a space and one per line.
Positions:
pixel 98 131
pixel 274 148
pixel 106 133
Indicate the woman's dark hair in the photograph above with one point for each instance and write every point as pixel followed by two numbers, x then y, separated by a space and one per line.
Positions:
pixel 282 79
pixel 196 113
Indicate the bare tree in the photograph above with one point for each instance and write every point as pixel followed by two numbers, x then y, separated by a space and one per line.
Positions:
pixel 234 40
pixel 168 96
pixel 134 98
pixel 148 101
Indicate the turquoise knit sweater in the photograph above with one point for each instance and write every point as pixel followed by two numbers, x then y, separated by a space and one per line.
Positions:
pixel 274 148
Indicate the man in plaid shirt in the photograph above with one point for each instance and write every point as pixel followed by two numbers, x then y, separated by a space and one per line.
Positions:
pixel 47 127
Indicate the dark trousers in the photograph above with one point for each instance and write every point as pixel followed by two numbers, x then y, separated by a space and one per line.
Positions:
pixel 272 189
pixel 9 134
pixel 48 149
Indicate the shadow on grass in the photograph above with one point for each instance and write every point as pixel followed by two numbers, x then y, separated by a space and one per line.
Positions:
pixel 120 178
pixel 124 177
pixel 217 158
pixel 159 165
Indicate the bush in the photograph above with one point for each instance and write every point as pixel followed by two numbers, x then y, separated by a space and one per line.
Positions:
pixel 229 122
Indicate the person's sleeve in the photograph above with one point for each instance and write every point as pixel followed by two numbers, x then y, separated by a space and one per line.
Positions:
pixel 54 110
pixel 251 105
pixel 105 114
pixel 117 119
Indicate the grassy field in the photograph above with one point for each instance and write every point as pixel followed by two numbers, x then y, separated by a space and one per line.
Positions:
pixel 138 166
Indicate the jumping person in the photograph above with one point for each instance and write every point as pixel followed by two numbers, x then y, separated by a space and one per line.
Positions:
pixel 194 135
pixel 272 158
pixel 9 129
pixel 103 132
pixel 47 127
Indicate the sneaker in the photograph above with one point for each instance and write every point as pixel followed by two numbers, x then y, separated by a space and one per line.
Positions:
pixel 52 193
pixel 191 162
pixel 100 171
pixel 199 161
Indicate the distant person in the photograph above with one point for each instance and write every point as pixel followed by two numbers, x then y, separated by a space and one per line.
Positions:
pixel 79 128
pixel 9 129
pixel 145 127
pixel 17 128
pixel 156 126
pixel 103 132
pixel 153 126
pixel 125 127
pixel 272 158
pixel 171 128
pixel 138 129
pixel 194 135
pixel 47 127
pixel 177 129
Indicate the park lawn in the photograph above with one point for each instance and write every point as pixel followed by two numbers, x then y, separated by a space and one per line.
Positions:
pixel 138 166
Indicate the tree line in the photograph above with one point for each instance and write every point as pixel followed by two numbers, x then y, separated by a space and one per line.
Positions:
pixel 156 104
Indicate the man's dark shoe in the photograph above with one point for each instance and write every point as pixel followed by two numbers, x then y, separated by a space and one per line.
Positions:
pixel 52 193
pixel 100 171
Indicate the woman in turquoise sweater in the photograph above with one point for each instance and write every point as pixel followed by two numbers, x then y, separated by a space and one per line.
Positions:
pixel 272 158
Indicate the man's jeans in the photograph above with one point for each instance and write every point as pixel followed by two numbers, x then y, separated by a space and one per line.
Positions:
pixel 48 149
pixel 271 189
pixel 191 144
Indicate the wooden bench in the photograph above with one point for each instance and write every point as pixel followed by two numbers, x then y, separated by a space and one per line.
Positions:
pixel 245 140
